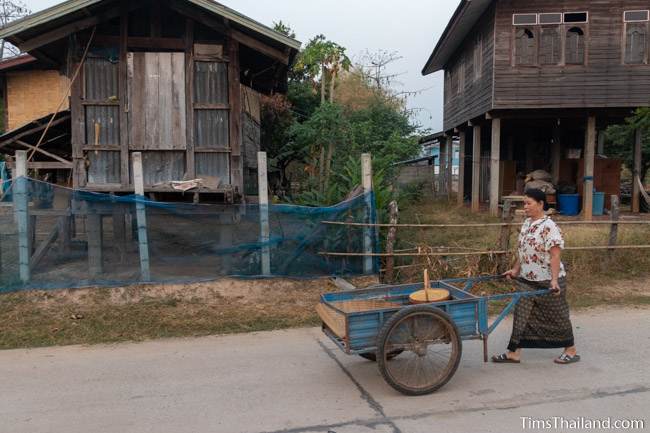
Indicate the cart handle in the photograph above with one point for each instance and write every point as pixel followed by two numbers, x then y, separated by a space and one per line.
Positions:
pixel 516 296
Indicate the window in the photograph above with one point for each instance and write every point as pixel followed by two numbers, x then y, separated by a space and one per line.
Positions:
pixel 524 47
pixel 524 19
pixel 636 36
pixel 553 18
pixel 576 17
pixel 550 46
pixel 575 46
pixel 478 57
pixel 636 16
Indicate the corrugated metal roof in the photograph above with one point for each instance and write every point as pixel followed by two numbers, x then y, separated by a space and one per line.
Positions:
pixel 465 17
pixel 71 6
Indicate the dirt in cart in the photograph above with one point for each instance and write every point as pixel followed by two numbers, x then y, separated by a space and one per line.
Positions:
pixel 136 313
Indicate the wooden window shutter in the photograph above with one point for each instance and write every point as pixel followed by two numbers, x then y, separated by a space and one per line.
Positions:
pixel 636 36
pixel 524 47
pixel 549 51
pixel 575 46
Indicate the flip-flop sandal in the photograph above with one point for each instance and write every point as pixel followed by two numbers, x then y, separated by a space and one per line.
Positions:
pixel 503 359
pixel 567 359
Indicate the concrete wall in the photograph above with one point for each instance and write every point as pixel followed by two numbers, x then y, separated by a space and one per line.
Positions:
pixel 32 95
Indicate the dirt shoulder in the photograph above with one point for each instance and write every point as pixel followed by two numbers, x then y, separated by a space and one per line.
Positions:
pixel 143 312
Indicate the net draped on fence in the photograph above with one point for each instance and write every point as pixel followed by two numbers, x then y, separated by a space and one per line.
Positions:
pixel 72 238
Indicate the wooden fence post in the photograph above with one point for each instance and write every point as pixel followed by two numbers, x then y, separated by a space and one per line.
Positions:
pixel 390 242
pixel 20 195
pixel 141 216
pixel 366 176
pixel 613 232
pixel 263 186
pixel 504 237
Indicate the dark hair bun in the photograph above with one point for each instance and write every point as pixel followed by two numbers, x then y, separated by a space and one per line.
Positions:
pixel 536 194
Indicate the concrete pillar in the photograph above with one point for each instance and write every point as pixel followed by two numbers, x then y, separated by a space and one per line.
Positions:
pixel 476 170
pixel 636 191
pixel 589 158
pixel 461 169
pixel 366 179
pixel 265 232
pixel 495 165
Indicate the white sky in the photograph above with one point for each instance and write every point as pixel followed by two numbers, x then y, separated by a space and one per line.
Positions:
pixel 410 27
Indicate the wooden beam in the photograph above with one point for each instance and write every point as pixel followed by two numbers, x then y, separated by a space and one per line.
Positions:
pixel 207 20
pixel 44 165
pixel 236 161
pixel 461 168
pixel 44 247
pixel 590 156
pixel 141 42
pixel 495 160
pixel 190 167
pixel 442 167
pixel 45 152
pixel 450 165
pixel 33 131
pixel 476 169
pixel 122 94
pixel 74 27
pixel 636 172
pixel 261 47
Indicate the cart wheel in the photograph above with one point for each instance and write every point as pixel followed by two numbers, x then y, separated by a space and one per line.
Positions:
pixel 370 356
pixel 431 347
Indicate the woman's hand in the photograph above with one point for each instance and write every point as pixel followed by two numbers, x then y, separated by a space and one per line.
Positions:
pixel 555 287
pixel 512 273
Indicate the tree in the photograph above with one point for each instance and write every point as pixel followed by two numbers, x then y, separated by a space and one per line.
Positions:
pixel 11 10
pixel 620 140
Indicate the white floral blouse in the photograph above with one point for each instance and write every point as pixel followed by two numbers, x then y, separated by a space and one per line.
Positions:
pixel 533 248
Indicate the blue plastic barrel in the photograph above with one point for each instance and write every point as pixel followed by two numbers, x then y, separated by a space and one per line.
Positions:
pixel 569 204
pixel 599 203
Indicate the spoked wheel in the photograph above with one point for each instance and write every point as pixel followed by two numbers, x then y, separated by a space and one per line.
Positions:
pixel 373 356
pixel 431 347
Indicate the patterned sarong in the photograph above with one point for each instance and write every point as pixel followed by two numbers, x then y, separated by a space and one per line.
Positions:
pixel 541 322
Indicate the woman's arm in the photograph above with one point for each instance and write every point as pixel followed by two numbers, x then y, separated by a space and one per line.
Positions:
pixel 555 268
pixel 514 272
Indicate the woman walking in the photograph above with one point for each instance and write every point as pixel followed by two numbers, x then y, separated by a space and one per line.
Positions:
pixel 541 322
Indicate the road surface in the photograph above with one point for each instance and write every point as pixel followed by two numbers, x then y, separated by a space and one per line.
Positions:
pixel 298 381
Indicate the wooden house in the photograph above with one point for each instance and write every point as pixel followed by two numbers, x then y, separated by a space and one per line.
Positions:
pixel 178 80
pixel 533 85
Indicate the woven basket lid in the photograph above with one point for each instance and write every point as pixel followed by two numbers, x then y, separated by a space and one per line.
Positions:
pixel 434 295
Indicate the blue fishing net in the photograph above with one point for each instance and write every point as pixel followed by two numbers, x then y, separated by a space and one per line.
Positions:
pixel 80 239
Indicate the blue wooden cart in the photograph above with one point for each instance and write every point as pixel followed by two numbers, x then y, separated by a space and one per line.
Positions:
pixel 417 347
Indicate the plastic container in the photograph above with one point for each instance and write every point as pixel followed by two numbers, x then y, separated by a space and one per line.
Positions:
pixel 599 203
pixel 569 204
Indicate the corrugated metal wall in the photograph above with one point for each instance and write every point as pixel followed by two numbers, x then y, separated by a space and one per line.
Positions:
pixel 210 83
pixel 214 164
pixel 211 129
pixel 107 117
pixel 101 79
pixel 104 167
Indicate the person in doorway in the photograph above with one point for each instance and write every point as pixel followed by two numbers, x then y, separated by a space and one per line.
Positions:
pixel 541 322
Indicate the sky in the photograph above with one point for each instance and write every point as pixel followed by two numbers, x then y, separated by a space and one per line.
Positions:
pixel 409 28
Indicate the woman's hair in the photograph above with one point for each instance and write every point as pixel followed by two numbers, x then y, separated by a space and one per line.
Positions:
pixel 536 194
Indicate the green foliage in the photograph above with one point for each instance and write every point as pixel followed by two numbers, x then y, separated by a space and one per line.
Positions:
pixel 283 28
pixel 620 139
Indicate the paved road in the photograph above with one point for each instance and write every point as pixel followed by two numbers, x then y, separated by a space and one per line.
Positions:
pixel 297 381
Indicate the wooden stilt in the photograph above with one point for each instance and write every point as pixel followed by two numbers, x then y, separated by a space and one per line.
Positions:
pixel 495 160
pixel 590 155
pixel 476 170
pixel 450 165
pixel 636 189
pixel 461 169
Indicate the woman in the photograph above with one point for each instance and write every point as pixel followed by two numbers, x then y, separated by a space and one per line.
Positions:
pixel 541 322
